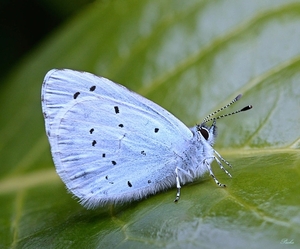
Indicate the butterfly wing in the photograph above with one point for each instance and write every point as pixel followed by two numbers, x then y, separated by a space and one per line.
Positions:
pixel 108 143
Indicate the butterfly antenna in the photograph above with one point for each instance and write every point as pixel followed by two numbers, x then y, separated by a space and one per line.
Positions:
pixel 246 108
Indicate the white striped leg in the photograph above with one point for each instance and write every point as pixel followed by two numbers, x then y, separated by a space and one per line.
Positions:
pixel 222 159
pixel 177 185
pixel 212 174
pixel 221 166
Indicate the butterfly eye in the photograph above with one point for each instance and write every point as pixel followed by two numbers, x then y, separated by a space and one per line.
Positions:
pixel 204 132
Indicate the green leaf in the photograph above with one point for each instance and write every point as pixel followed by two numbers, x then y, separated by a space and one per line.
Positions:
pixel 191 57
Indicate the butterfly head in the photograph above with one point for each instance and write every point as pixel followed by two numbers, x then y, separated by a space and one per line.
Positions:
pixel 209 133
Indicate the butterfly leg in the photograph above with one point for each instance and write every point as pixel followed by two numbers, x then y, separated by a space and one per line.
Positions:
pixel 221 166
pixel 177 185
pixel 212 174
pixel 222 159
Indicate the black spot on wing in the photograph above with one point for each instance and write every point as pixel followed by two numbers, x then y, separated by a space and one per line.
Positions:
pixel 92 130
pixel 94 142
pixel 106 177
pixel 116 109
pixel 92 88
pixel 76 95
pixel 129 184
pixel 156 130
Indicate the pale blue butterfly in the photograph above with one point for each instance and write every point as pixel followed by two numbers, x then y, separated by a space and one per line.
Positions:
pixel 111 145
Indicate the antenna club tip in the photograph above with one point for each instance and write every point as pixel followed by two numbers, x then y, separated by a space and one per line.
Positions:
pixel 238 97
pixel 246 108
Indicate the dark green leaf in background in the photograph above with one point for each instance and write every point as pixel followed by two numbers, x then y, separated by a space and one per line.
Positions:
pixel 191 57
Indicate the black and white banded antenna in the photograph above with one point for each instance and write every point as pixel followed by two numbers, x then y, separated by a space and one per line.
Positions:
pixel 209 117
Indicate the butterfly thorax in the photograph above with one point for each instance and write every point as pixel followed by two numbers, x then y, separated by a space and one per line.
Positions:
pixel 199 152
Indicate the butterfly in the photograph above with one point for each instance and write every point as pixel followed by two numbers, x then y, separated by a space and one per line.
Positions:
pixel 110 145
